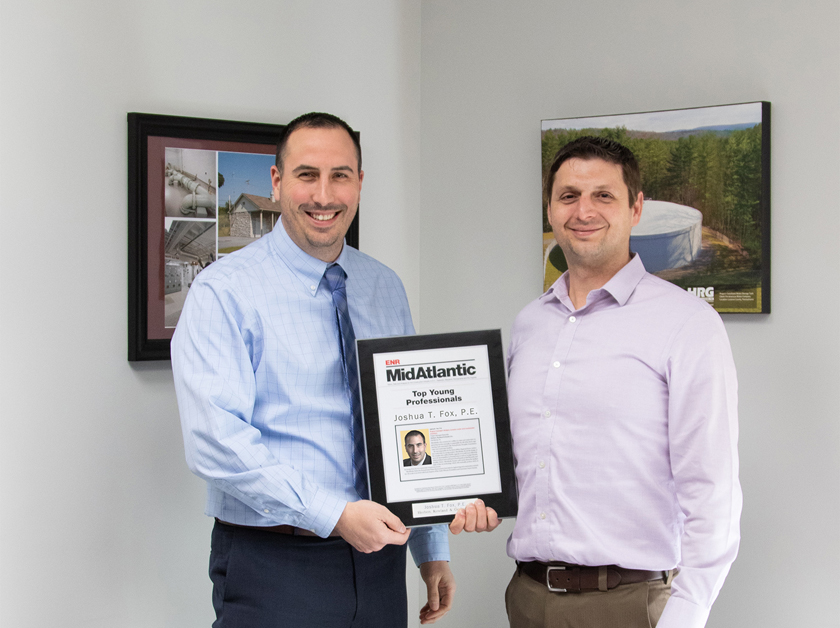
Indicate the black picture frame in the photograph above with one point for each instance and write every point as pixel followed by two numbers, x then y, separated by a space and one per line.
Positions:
pixel 149 135
pixel 504 502
pixel 712 161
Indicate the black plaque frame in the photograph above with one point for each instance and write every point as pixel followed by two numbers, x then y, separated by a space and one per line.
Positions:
pixel 504 503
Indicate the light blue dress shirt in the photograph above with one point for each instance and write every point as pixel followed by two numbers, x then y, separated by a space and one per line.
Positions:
pixel 264 409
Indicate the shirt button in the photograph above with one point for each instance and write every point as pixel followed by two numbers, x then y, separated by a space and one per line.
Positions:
pixel 547 413
pixel 311 287
pixel 542 515
pixel 542 464
pixel 266 510
pixel 572 319
pixel 557 365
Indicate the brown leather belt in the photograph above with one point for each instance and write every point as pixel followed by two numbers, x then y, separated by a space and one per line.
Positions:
pixel 566 578
pixel 282 529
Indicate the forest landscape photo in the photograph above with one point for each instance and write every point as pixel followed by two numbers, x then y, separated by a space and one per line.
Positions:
pixel 705 177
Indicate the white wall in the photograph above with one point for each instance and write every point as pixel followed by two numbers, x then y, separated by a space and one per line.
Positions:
pixel 102 523
pixel 491 72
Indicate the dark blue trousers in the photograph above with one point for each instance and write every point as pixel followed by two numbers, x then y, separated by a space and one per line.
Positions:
pixel 269 580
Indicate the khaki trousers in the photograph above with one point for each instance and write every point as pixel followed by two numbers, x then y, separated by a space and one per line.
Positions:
pixel 531 605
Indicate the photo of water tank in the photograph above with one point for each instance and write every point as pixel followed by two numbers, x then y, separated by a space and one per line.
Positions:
pixel 705 223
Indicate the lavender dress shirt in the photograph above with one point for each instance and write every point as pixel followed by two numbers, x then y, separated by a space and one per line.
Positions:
pixel 625 427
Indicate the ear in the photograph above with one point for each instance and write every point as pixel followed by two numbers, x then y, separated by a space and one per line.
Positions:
pixel 548 213
pixel 275 182
pixel 636 210
pixel 361 178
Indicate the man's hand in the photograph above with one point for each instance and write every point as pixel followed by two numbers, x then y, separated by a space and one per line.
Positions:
pixel 475 518
pixel 440 585
pixel 369 527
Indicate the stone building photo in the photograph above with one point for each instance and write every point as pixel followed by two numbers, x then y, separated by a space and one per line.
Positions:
pixel 247 210
pixel 253 216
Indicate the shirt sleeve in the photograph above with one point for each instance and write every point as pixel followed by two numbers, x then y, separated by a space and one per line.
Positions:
pixel 216 344
pixel 703 440
pixel 429 543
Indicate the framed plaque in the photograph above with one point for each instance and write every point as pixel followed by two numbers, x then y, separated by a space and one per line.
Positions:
pixel 436 421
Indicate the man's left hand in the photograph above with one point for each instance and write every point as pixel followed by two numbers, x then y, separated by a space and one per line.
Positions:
pixel 476 517
pixel 440 585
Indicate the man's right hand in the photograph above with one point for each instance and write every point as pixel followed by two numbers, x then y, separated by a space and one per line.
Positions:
pixel 369 526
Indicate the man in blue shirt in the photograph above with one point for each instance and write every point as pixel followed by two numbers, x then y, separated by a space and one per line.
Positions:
pixel 265 407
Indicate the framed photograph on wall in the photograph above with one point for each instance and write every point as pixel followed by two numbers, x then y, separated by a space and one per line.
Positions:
pixel 198 189
pixel 705 222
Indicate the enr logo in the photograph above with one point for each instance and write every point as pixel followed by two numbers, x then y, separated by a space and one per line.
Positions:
pixel 391 362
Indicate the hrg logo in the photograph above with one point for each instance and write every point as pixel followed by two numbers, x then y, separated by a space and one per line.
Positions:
pixel 707 294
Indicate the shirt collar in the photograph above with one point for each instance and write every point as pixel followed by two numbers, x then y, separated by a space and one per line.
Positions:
pixel 624 282
pixel 620 286
pixel 309 270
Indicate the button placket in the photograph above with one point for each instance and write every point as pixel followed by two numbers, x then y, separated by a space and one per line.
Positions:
pixel 550 422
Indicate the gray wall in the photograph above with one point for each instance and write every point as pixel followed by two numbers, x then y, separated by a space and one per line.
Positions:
pixel 491 72
pixel 100 522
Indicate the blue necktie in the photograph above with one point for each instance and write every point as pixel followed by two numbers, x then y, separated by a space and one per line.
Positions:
pixel 335 277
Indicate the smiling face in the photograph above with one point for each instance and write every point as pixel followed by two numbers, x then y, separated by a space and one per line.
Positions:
pixel 318 189
pixel 415 447
pixel 592 215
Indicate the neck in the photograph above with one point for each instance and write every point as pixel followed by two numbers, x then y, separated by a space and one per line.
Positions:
pixel 583 280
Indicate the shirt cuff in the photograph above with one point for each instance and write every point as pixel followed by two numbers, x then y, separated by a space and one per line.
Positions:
pixel 680 613
pixel 322 514
pixel 429 543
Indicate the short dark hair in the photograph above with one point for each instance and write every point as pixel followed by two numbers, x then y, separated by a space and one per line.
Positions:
pixel 415 433
pixel 591 147
pixel 315 120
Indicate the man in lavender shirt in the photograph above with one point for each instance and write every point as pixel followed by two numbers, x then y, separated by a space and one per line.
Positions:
pixel 623 404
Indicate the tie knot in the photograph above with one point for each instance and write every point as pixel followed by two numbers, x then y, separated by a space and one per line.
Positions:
pixel 335 277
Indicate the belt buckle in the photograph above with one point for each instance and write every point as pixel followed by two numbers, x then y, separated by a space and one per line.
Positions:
pixel 548 569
